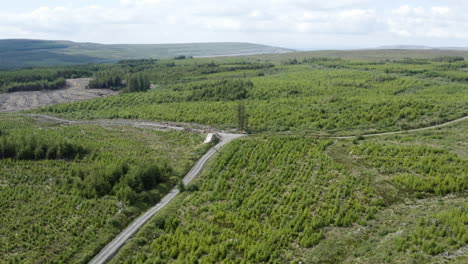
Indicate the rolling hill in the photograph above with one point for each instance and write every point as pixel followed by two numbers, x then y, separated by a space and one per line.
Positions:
pixel 16 53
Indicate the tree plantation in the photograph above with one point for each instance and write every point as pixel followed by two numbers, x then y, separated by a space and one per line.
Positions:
pixel 301 171
pixel 65 191
pixel 319 96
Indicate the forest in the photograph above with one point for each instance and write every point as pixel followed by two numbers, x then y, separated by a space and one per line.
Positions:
pixel 293 190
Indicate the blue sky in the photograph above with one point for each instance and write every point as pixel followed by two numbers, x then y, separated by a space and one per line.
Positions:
pixel 300 24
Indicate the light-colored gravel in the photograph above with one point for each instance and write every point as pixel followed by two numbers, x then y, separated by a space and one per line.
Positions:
pixel 75 91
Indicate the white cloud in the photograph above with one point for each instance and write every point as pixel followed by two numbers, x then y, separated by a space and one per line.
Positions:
pixel 261 21
pixel 428 22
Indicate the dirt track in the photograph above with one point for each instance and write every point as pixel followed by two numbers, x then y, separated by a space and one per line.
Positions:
pixel 75 91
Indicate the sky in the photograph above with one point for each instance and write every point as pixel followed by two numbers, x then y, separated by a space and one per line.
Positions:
pixel 297 24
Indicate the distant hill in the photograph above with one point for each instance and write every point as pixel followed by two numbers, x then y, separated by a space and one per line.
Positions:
pixel 16 53
pixel 415 47
pixel 366 54
pixel 404 47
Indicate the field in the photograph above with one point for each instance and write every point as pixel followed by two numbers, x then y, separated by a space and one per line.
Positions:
pixel 67 190
pixel 295 190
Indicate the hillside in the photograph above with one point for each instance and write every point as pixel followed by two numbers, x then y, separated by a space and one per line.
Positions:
pixel 16 53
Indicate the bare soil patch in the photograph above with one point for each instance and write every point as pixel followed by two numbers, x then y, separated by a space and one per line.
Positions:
pixel 75 91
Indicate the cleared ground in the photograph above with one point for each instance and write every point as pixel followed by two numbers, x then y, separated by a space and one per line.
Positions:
pixel 75 91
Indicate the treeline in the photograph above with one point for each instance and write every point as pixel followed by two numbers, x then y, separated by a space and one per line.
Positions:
pixel 129 183
pixel 118 80
pixel 138 82
pixel 449 59
pixel 41 78
pixel 35 85
pixel 225 90
pixel 32 147
pixel 210 68
pixel 112 79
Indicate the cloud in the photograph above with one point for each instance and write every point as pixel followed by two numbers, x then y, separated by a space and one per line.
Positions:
pixel 262 21
pixel 428 22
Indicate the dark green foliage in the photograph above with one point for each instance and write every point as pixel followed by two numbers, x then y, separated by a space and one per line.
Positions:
pixel 241 116
pixel 41 78
pixel 449 59
pixel 181 186
pixel 35 86
pixel 291 62
pixel 138 62
pixel 127 182
pixel 32 147
pixel 107 80
pixel 225 90
pixel 138 82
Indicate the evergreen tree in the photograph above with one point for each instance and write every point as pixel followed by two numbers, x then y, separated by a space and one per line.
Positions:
pixel 241 116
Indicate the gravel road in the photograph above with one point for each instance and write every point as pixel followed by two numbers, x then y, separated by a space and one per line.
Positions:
pixel 113 247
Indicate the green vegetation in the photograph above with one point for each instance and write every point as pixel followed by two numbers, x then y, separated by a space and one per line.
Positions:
pixel 260 197
pixel 313 95
pixel 41 79
pixel 418 168
pixel 31 147
pixel 438 233
pixel 284 199
pixel 285 194
pixel 65 191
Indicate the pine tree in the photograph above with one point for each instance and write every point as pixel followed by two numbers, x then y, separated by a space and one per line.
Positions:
pixel 241 116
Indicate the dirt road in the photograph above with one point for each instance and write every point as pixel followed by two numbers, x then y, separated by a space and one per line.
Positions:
pixel 405 131
pixel 113 247
pixel 75 91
